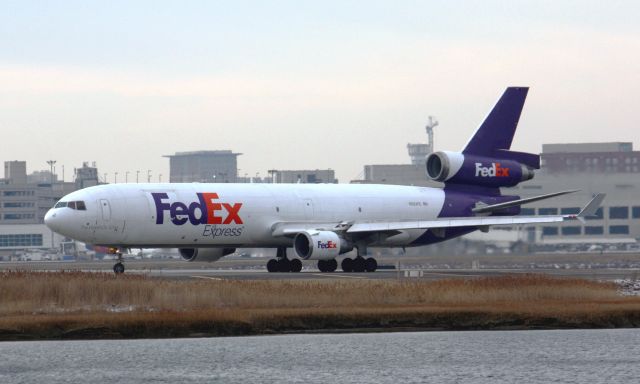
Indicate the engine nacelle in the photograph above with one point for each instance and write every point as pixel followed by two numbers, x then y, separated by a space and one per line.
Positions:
pixel 204 254
pixel 457 168
pixel 319 245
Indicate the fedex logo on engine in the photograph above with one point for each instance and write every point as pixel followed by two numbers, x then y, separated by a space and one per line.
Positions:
pixel 495 170
pixel 204 211
pixel 328 245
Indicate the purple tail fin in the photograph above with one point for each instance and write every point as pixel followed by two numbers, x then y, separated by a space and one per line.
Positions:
pixel 497 130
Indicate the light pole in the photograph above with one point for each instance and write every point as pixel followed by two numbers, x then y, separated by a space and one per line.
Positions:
pixel 137 176
pixel 126 177
pixel 148 175
pixel 159 177
pixel 105 178
pixel 51 164
pixel 115 178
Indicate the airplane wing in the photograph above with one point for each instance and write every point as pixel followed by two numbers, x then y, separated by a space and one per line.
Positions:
pixel 477 221
pixel 291 229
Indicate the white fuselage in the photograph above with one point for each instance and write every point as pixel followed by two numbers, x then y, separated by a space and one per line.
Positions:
pixel 235 215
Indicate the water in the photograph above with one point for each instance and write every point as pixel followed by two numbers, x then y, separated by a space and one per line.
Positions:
pixel 593 356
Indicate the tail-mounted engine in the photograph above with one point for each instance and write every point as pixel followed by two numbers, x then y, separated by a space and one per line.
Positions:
pixel 204 254
pixel 319 245
pixel 503 171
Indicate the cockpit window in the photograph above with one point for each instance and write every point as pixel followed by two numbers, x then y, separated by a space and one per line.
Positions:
pixel 77 205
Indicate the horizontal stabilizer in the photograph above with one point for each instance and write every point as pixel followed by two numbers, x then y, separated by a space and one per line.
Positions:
pixel 508 204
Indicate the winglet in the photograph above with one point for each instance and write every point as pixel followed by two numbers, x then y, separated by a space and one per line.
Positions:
pixel 591 208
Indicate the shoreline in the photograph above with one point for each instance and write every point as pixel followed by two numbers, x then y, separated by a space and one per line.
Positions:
pixel 139 326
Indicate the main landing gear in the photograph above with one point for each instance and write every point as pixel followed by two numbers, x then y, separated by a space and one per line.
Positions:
pixel 282 264
pixel 359 264
pixel 327 265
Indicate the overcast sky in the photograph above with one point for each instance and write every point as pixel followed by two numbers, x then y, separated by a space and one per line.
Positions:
pixel 300 84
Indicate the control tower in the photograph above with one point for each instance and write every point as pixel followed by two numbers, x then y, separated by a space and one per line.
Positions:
pixel 419 152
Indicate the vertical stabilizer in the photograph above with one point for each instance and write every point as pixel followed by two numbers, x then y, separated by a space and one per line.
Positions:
pixel 497 130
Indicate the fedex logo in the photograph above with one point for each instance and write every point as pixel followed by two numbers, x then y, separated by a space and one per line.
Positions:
pixel 328 245
pixel 204 211
pixel 495 170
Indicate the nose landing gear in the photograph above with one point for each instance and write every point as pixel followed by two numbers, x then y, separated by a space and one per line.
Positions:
pixel 118 268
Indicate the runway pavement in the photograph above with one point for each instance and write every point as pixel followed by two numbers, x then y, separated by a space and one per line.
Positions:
pixel 174 269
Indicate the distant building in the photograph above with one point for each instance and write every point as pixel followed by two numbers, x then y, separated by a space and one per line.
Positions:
pixel 405 174
pixel 86 176
pixel 610 168
pixel 15 172
pixel 203 167
pixel 24 201
pixel 317 176
pixel 591 157
pixel 41 177
pixel 397 174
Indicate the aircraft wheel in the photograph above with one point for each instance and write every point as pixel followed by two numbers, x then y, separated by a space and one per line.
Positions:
pixel 118 268
pixel 370 264
pixel 358 264
pixel 347 264
pixel 272 265
pixel 296 265
pixel 284 265
pixel 332 265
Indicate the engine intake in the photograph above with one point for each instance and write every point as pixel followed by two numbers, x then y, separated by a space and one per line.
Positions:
pixel 204 254
pixel 319 245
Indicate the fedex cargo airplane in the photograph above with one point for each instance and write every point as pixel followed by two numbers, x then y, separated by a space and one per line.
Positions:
pixel 318 221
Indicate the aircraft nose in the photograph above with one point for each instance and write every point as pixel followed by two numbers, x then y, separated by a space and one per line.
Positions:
pixel 51 221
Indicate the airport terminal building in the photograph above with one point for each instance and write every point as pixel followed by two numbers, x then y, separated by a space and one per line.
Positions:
pixel 611 168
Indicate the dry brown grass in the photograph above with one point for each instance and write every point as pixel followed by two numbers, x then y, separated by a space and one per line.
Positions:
pixel 55 304
pixel 29 292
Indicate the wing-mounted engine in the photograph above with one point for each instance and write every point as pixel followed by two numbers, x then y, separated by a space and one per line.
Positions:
pixel 320 245
pixel 505 170
pixel 204 254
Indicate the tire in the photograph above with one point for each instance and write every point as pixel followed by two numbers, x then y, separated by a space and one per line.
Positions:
pixel 296 265
pixel 322 265
pixel 332 265
pixel 347 264
pixel 370 264
pixel 118 268
pixel 358 264
pixel 284 265
pixel 272 265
